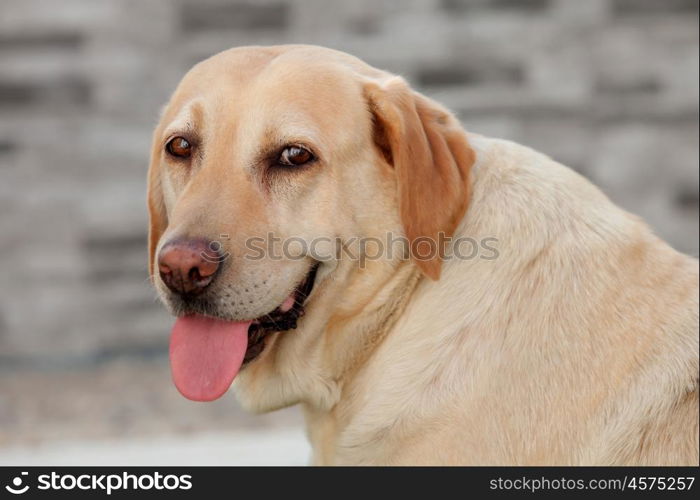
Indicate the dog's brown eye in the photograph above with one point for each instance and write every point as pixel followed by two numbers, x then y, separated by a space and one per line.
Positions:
pixel 294 156
pixel 180 147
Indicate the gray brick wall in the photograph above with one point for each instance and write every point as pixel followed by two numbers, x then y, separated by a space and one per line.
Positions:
pixel 609 87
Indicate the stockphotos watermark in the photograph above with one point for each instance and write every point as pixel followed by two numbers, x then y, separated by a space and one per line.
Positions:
pixel 103 483
pixel 358 249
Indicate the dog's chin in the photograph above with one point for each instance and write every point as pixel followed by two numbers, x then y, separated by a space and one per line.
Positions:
pixel 281 377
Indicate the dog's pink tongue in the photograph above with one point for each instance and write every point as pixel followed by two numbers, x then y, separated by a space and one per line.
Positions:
pixel 206 354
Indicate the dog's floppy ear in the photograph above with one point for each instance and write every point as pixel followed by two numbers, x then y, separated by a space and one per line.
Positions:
pixel 429 151
pixel 158 219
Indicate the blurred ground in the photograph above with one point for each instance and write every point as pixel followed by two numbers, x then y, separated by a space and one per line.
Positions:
pixel 274 447
pixel 608 87
pixel 125 398
pixel 128 412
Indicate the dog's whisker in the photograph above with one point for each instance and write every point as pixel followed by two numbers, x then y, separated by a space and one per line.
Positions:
pixel 272 320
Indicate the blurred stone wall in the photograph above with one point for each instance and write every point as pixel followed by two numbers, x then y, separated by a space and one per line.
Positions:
pixel 609 87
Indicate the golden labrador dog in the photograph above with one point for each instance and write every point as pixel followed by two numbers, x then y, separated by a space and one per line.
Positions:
pixel 569 336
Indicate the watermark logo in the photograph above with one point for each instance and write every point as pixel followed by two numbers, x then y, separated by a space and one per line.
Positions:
pixel 107 483
pixel 16 488
pixel 359 249
pixel 214 251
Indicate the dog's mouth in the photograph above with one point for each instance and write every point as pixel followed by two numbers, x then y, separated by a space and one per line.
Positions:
pixel 283 318
pixel 206 353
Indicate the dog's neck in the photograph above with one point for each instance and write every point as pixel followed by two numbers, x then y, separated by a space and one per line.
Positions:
pixel 377 323
pixel 365 330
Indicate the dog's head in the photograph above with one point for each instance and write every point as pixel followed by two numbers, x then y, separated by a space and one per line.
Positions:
pixel 271 169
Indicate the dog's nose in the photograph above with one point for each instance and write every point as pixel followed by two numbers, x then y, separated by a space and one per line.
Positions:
pixel 188 266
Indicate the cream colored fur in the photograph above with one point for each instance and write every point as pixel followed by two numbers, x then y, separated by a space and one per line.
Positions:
pixel 577 346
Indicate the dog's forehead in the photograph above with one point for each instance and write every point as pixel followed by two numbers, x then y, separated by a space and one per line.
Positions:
pixel 276 73
pixel 272 85
pixel 231 67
